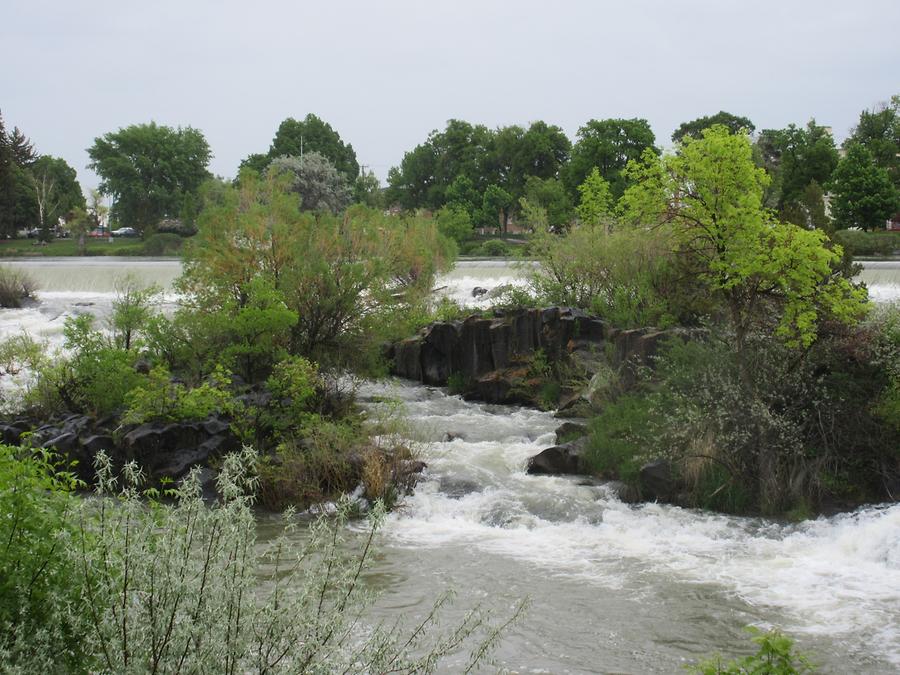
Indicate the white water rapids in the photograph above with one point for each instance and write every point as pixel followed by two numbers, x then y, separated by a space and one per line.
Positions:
pixel 615 588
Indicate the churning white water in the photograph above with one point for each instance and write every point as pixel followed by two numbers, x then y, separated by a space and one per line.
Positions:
pixel 615 588
pixel 834 583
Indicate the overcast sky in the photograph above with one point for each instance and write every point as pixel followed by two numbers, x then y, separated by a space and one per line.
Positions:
pixel 385 73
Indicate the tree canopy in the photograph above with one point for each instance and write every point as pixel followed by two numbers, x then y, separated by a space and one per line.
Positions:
pixel 864 195
pixel 878 131
pixel 608 145
pixel 711 196
pixel 694 128
pixel 150 170
pixel 316 180
pixel 294 138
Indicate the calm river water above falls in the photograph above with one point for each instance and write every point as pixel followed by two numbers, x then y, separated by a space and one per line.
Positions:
pixel 615 588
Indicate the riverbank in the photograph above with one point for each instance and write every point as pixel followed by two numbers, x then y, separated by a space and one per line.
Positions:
pixel 94 246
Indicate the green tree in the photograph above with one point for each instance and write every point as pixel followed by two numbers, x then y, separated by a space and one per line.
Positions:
pixel 495 208
pixel 56 191
pixel 596 205
pixel 18 208
pixel 864 195
pixel 550 194
pixel 367 190
pixel 426 172
pixel 879 131
pixel 7 228
pixel 806 155
pixel 759 269
pixel 454 222
pixel 22 148
pixel 608 145
pixel 312 134
pixel 319 184
pixel 695 128
pixel 149 170
pixel 516 153
pixel 461 193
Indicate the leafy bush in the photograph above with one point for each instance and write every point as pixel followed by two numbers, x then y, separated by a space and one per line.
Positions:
pixel 858 242
pixel 97 376
pixel 627 277
pixel 131 309
pixel 38 580
pixel 798 430
pixel 15 287
pixel 347 278
pixel 162 243
pixel 495 248
pixel 617 436
pixel 159 398
pixel 775 656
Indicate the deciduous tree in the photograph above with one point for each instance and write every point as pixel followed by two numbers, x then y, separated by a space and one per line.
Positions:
pixel 758 268
pixel 608 145
pixel 864 195
pixel 694 128
pixel 149 169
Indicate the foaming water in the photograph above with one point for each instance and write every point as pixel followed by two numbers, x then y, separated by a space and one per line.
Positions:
pixel 96 274
pixel 620 588
pixel 835 580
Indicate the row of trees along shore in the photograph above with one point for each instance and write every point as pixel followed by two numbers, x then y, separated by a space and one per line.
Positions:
pixel 481 177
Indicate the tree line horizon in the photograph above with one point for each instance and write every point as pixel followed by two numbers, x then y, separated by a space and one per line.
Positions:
pixel 487 177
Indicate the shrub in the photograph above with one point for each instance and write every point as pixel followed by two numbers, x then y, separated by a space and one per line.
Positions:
pixel 38 581
pixel 346 277
pixel 775 656
pixel 184 586
pixel 131 309
pixel 312 464
pixel 495 248
pixel 627 277
pixel 159 398
pixel 860 243
pixel 162 243
pixel 15 287
pixel 97 376
pixel 617 436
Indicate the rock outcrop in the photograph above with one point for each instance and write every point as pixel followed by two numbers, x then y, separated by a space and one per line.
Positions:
pixel 162 449
pixel 491 354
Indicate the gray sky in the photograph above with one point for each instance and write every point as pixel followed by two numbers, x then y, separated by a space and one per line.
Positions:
pixel 384 74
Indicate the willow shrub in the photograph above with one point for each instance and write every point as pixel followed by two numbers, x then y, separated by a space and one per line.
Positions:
pixel 628 276
pixel 121 583
pixel 351 279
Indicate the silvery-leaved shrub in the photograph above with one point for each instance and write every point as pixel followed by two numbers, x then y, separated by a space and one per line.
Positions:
pixel 178 585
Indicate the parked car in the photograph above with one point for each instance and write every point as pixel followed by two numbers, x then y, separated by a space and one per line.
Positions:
pixel 125 232
pixel 96 234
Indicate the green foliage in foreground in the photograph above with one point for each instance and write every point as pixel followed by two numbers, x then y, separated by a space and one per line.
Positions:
pixel 776 656
pixel 126 584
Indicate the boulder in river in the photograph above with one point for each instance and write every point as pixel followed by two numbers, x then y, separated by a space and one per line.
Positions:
pixel 560 459
pixel 658 481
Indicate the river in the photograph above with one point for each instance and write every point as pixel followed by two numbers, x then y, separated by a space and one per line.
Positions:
pixel 614 588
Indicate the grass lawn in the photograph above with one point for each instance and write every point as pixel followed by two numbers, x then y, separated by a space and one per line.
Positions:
pixel 14 248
